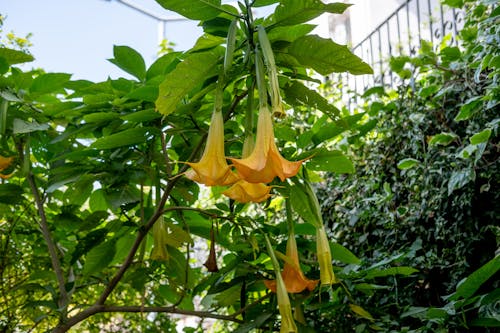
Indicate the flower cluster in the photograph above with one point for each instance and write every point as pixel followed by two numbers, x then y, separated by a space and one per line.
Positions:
pixel 248 181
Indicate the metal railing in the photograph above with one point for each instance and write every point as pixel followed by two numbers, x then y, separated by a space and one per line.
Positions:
pixel 400 34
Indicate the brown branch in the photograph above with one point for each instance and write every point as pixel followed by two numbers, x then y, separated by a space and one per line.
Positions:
pixel 54 258
pixel 99 305
pixel 251 305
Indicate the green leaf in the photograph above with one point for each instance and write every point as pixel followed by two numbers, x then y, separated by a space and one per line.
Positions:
pixel 207 41
pixel 193 9
pixel 97 201
pixel 10 193
pixel 480 137
pixel 304 205
pixel 333 161
pixel 297 94
pixel 50 82
pixel 163 65
pixel 325 56
pixel 485 322
pixel 142 116
pixel 97 117
pixel 259 320
pixel 21 126
pixel 13 57
pixel 459 179
pixel 400 270
pixel 127 137
pixel 99 257
pixel 343 254
pixel 453 3
pixel 407 163
pixel 443 139
pixel 262 3
pixel 294 12
pixel 468 287
pixel 469 108
pixel 130 61
pixel 146 93
pixel 190 73
pixel 360 311
pixel 290 33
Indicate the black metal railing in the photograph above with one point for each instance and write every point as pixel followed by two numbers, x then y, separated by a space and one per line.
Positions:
pixel 400 34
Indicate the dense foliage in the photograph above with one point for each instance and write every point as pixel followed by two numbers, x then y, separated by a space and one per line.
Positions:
pixel 426 190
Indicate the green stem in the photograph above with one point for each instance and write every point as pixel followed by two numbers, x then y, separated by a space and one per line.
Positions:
pixel 261 79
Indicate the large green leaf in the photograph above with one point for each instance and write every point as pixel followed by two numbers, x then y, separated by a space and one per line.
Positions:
pixel 293 12
pixel 326 57
pixel 129 60
pixel 304 204
pixel 400 270
pixel 12 57
pixel 473 282
pixel 343 254
pixel 333 161
pixel 195 69
pixel 193 9
pixel 47 83
pixel 127 137
pixel 297 94
pixel 99 257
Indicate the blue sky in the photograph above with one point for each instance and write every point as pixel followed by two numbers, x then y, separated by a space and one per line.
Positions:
pixel 77 36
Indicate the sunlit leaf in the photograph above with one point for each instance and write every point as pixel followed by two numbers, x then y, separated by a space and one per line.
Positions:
pixel 326 57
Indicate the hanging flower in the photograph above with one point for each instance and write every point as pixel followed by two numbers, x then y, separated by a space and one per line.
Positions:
pixel 292 275
pixel 211 262
pixel 285 308
pixel 265 162
pixel 212 169
pixel 160 240
pixel 243 191
pixel 324 257
pixel 5 162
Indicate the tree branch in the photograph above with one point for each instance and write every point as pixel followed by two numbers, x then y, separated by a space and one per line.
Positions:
pixel 54 258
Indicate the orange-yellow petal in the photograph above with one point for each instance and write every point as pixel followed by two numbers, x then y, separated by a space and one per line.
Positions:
pixel 243 191
pixel 5 162
pixel 292 275
pixel 212 169
pixel 265 162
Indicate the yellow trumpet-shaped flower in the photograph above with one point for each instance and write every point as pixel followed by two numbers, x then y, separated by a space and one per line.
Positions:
pixel 292 275
pixel 243 191
pixel 324 258
pixel 212 169
pixel 285 308
pixel 5 162
pixel 265 162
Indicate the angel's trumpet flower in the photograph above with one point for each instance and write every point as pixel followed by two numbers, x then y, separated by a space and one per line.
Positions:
pixel 212 169
pixel 243 191
pixel 265 162
pixel 292 274
pixel 324 257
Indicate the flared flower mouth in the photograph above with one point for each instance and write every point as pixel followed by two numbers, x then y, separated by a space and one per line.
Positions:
pixel 243 191
pixel 265 162
pixel 294 278
pixel 212 169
